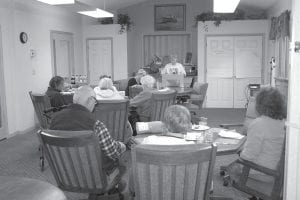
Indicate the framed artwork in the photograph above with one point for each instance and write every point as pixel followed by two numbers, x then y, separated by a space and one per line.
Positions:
pixel 169 17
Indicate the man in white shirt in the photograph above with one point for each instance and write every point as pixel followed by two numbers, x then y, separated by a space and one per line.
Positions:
pixel 174 67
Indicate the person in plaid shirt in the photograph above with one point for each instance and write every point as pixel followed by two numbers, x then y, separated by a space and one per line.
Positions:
pixel 78 116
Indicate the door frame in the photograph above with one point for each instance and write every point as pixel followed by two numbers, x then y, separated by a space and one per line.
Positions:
pixel 3 105
pixel 236 35
pixel 71 53
pixel 87 55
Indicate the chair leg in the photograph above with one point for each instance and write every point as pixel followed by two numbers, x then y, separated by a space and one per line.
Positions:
pixel 42 158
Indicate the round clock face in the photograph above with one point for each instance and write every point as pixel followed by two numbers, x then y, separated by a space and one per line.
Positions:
pixel 23 37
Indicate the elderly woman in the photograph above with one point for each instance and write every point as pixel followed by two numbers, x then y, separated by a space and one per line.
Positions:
pixel 56 85
pixel 106 90
pixel 265 135
pixel 174 67
pixel 135 80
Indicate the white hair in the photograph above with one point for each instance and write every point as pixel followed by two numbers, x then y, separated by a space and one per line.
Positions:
pixel 148 81
pixel 105 83
pixel 82 95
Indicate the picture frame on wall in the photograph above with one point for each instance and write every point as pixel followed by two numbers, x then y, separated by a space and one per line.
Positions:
pixel 169 17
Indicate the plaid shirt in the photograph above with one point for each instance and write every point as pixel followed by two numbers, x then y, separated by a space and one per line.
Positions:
pixel 109 146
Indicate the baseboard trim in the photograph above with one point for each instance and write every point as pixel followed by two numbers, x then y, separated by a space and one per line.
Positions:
pixel 30 129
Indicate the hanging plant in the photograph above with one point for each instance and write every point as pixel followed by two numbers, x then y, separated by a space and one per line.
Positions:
pixel 125 23
pixel 218 17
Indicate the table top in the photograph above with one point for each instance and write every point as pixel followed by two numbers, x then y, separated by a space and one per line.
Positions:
pixel 19 188
pixel 226 146
pixel 182 91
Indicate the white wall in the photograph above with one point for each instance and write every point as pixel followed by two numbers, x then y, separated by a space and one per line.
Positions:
pixel 21 73
pixel 119 46
pixel 230 28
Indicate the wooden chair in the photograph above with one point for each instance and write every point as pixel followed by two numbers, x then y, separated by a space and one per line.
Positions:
pixel 41 103
pixel 135 90
pixel 266 191
pixel 173 171
pixel 196 99
pixel 159 102
pixel 75 159
pixel 114 114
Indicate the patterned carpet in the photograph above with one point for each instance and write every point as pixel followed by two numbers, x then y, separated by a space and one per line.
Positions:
pixel 20 157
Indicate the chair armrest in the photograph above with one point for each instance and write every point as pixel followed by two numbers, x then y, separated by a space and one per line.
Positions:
pixel 227 126
pixel 257 167
pixel 196 97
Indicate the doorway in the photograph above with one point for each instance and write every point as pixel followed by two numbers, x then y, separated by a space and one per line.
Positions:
pixel 232 63
pixel 99 58
pixel 3 117
pixel 62 54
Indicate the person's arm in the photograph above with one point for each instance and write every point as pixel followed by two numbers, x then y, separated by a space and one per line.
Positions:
pixel 111 148
pixel 58 100
pixel 139 99
pixel 181 69
pixel 253 145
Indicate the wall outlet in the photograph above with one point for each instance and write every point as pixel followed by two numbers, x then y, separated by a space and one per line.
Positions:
pixel 32 53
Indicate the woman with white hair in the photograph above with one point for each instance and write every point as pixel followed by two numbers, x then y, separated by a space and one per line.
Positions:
pixel 106 90
pixel 140 104
pixel 136 80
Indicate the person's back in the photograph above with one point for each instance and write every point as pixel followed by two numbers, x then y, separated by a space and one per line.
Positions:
pixel 56 85
pixel 264 142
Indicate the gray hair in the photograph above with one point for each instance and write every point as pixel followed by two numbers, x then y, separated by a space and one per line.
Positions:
pixel 148 81
pixel 82 95
pixel 177 119
pixel 105 83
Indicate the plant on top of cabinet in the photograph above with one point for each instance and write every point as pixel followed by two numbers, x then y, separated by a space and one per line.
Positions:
pixel 125 22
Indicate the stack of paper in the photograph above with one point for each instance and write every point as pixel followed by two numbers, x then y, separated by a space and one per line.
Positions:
pixel 230 134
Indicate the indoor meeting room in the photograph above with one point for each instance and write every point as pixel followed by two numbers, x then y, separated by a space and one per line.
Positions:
pixel 149 99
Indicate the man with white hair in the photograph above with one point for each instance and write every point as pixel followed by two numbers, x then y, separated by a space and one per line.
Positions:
pixel 142 100
pixel 78 116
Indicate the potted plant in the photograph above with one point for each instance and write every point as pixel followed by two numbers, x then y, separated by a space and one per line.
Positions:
pixel 125 22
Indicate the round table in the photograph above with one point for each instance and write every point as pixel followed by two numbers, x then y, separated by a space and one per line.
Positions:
pixel 182 91
pixel 19 188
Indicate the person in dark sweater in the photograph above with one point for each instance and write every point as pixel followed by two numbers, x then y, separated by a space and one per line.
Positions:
pixel 78 116
pixel 135 80
pixel 56 85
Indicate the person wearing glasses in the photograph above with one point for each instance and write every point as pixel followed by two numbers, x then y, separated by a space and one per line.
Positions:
pixel 78 117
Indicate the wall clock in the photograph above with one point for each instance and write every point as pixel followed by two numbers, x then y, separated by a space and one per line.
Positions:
pixel 23 37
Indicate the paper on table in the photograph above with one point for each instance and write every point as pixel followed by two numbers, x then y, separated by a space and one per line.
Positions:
pixel 142 127
pixel 192 135
pixel 230 134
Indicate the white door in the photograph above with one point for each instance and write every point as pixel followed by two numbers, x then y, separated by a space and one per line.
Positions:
pixel 220 72
pixel 247 66
pixel 62 54
pixel 100 59
pixel 3 119
pixel 233 62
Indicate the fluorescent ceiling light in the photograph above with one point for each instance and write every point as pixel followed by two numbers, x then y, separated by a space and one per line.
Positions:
pixel 57 2
pixel 225 6
pixel 98 13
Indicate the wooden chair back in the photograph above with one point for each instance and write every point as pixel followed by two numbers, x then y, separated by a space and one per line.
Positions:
pixel 114 114
pixel 75 159
pixel 173 171
pixel 41 102
pixel 159 102
pixel 135 90
pixel 200 90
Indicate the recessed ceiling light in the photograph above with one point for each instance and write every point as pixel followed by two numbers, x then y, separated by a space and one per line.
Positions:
pixel 57 2
pixel 98 13
pixel 225 6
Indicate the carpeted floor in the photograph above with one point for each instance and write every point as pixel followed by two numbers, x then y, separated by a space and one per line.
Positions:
pixel 19 156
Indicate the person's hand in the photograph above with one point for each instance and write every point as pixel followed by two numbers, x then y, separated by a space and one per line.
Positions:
pixel 131 142
pixel 123 147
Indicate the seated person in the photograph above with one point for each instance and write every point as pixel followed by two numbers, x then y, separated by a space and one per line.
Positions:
pixel 140 104
pixel 135 80
pixel 265 134
pixel 78 116
pixel 106 90
pixel 142 101
pixel 176 123
pixel 174 67
pixel 56 85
